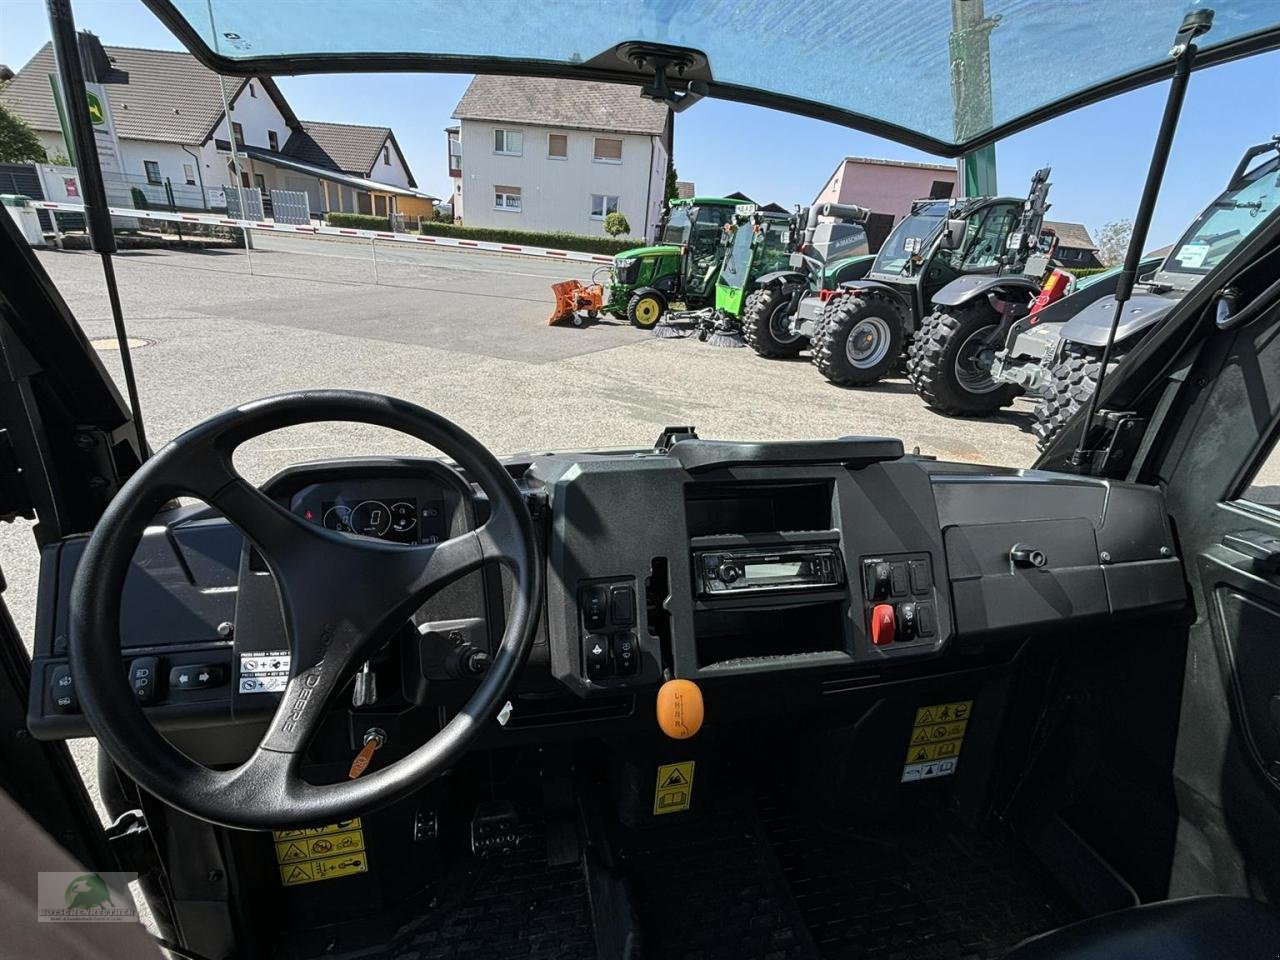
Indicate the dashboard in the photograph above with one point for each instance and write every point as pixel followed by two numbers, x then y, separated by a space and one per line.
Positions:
pixel 777 575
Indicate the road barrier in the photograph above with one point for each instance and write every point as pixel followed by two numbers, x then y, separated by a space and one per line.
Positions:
pixel 268 226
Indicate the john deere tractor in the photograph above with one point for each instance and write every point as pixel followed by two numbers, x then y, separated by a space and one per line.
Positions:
pixel 757 241
pixel 680 268
pixel 782 313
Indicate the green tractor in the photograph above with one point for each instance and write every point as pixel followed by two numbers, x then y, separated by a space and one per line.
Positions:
pixel 757 241
pixel 643 281
pixel 782 313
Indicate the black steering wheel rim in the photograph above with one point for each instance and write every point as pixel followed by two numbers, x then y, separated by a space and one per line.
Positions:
pixel 267 791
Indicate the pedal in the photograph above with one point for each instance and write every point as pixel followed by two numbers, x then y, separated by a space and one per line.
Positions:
pixel 495 829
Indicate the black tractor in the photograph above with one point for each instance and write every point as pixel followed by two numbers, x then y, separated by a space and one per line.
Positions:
pixel 783 312
pixel 1000 260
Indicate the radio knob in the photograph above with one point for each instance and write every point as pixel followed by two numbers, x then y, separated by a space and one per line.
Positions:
pixel 728 572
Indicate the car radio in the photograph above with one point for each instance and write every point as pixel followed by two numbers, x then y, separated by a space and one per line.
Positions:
pixel 766 570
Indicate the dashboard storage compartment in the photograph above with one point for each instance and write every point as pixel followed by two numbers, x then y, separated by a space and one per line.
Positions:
pixel 724 508
pixel 758 633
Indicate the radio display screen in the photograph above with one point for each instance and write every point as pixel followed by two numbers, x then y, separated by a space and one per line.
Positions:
pixel 759 572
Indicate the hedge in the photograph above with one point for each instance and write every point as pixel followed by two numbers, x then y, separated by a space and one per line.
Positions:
pixel 532 238
pixel 358 221
pixel 1087 271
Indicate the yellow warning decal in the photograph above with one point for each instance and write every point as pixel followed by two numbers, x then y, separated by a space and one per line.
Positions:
pixel 309 871
pixel 673 788
pixel 934 746
pixel 320 853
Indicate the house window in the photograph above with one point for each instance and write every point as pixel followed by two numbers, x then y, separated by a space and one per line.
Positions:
pixel 608 150
pixel 558 146
pixel 153 171
pixel 261 183
pixel 189 172
pixel 252 92
pixel 941 190
pixel 602 205
pixel 508 142
pixel 386 154
pixel 237 131
pixel 506 198
pixel 273 141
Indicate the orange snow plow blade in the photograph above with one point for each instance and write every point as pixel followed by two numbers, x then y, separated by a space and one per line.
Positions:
pixel 572 297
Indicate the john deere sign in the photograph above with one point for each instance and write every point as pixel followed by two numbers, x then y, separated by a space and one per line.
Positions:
pixel 96 113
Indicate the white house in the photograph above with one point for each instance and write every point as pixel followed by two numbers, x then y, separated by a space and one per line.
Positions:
pixel 168 114
pixel 545 154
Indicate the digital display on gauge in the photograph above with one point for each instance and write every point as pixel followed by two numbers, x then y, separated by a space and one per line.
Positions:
pixel 399 519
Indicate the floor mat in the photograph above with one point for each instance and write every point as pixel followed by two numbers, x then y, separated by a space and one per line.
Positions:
pixel 922 890
pixel 713 890
pixel 509 906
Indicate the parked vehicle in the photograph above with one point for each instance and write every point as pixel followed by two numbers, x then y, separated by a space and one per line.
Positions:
pixel 781 314
pixel 644 281
pixel 1071 348
pixel 998 258
pixel 757 241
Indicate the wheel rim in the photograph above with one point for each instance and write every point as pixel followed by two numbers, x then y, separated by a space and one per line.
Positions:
pixel 647 312
pixel 973 362
pixel 868 342
pixel 778 327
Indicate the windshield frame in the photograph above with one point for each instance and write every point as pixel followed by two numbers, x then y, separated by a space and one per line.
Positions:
pixel 612 66
pixel 900 230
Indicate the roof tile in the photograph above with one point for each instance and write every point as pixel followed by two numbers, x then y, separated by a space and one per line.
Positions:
pixel 552 102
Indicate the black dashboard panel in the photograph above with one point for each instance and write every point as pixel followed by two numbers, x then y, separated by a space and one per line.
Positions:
pixel 839 565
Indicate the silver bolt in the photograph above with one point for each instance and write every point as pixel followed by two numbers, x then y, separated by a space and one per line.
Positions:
pixel 226 628
pixel 1165 551
pixel 1104 557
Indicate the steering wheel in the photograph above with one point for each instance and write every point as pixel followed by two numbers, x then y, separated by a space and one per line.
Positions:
pixel 331 628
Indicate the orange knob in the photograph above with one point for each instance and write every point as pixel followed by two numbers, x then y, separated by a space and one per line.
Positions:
pixel 680 709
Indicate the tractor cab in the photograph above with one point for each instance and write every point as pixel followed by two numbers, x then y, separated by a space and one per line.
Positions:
pixel 759 241
pixel 352 680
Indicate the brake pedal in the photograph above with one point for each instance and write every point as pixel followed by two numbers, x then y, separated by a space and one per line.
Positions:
pixel 495 829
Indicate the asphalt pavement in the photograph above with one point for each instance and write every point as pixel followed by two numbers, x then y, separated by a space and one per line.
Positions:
pixel 464 334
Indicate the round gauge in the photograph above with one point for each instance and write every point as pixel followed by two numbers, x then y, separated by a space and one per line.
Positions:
pixel 404 517
pixel 338 518
pixel 371 518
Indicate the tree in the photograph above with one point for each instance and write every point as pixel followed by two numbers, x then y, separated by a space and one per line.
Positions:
pixel 673 191
pixel 1113 241
pixel 616 224
pixel 18 144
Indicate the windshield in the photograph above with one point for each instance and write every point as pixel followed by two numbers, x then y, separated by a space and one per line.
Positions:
pixel 1226 222
pixel 677 227
pixel 916 231
pixel 1091 44
pixel 738 260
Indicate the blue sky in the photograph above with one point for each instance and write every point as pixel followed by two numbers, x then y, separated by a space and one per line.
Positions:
pixel 1099 154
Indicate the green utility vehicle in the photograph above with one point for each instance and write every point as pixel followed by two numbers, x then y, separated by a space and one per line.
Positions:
pixel 756 242
pixel 681 268
pixel 782 312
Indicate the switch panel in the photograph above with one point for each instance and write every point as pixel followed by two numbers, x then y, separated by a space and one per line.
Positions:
pixel 610 641
pixel 901 585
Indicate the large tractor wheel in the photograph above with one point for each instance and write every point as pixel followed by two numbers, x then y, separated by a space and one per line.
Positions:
pixel 859 337
pixel 1071 383
pixel 766 327
pixel 949 362
pixel 646 307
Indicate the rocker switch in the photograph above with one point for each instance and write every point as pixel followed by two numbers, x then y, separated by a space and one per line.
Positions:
pixel 595 654
pixel 595 607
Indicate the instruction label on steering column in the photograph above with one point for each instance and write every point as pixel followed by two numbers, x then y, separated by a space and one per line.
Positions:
pixel 934 746
pixel 320 853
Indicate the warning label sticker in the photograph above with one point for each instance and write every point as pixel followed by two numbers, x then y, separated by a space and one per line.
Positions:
pixel 673 789
pixel 320 853
pixel 934 746
pixel 266 671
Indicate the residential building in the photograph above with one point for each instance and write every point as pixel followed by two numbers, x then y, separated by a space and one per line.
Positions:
pixel 886 188
pixel 538 153
pixel 1076 249
pixel 167 110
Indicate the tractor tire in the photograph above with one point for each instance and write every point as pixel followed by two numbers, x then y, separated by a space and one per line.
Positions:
pixel 1071 383
pixel 859 338
pixel 945 368
pixel 761 329
pixel 646 307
